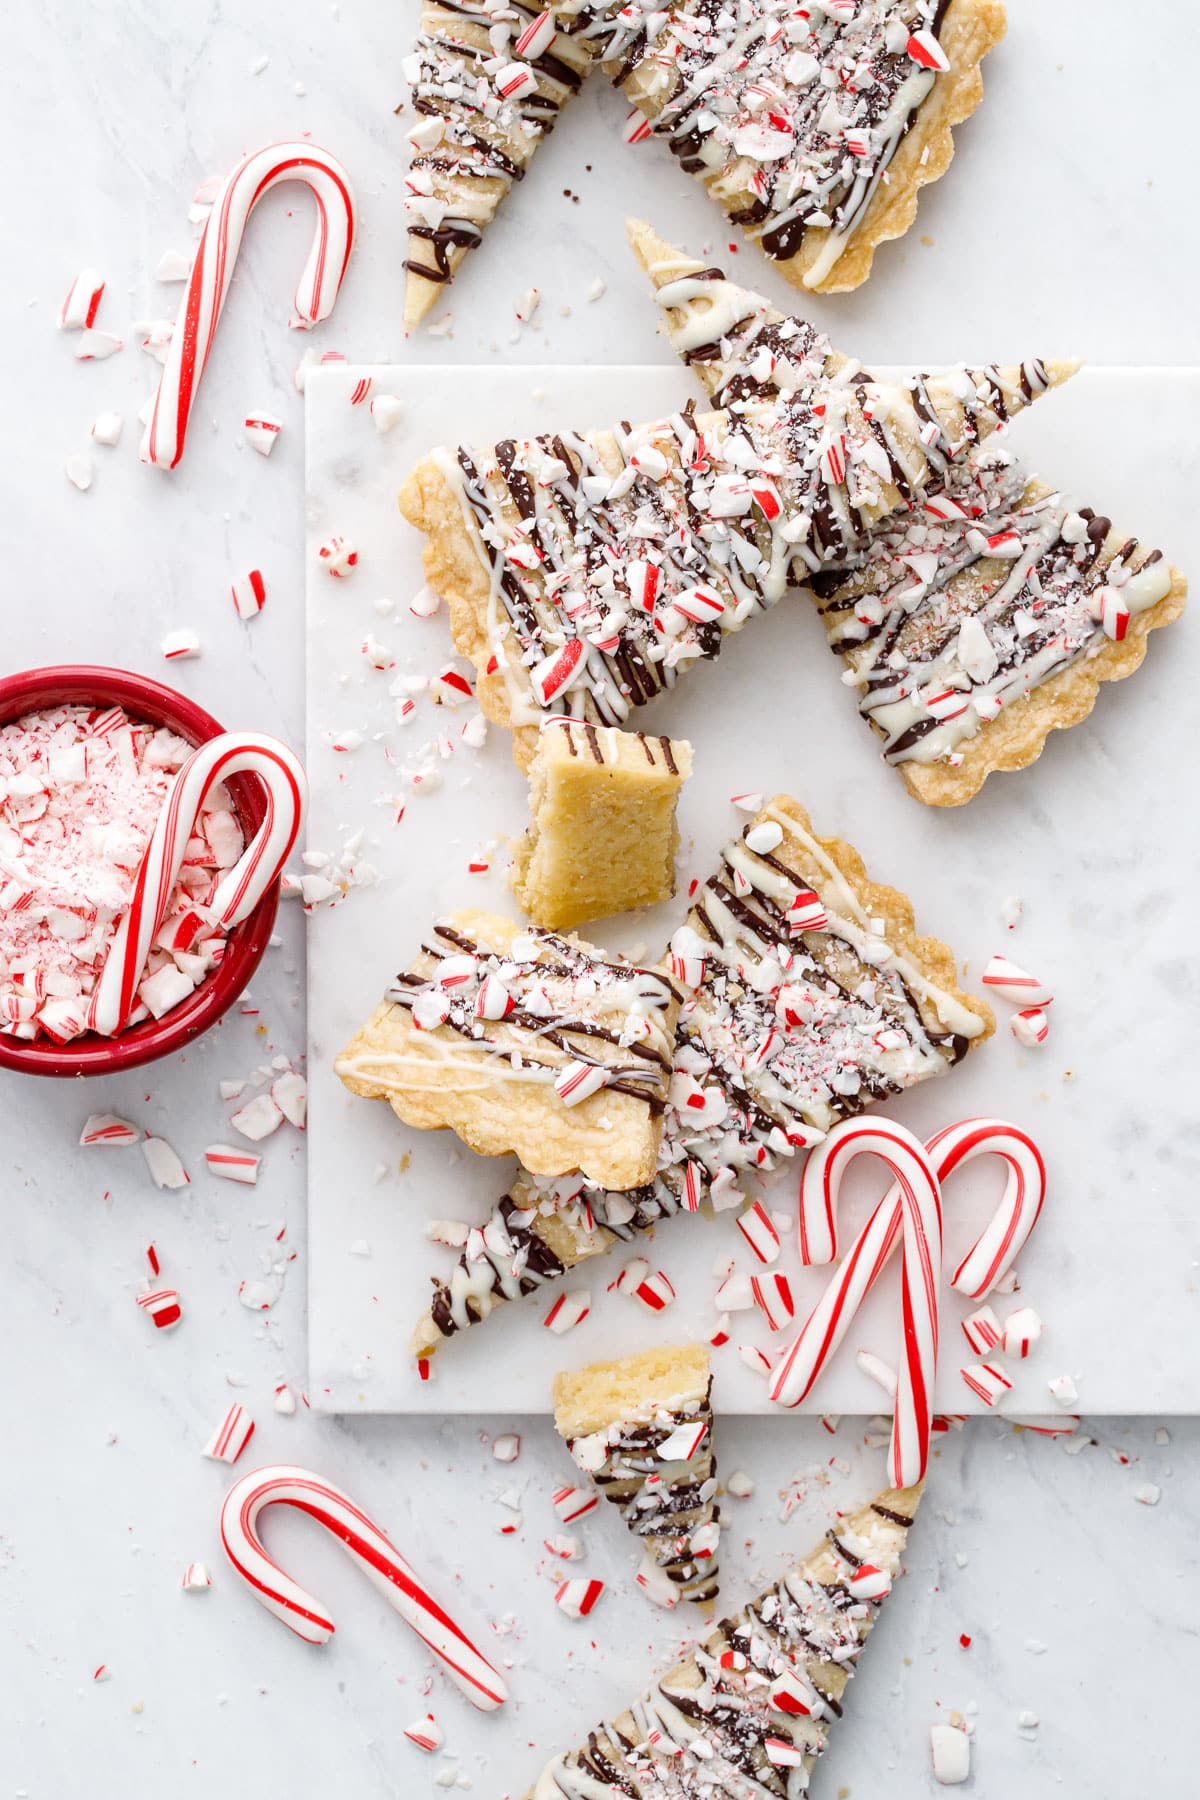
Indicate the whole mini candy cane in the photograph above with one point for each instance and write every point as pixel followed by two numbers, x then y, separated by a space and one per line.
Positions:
pixel 993 1252
pixel 239 891
pixel 212 270
pixel 379 1559
pixel 921 1225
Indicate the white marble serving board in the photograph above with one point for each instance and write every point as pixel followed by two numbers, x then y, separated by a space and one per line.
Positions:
pixel 1099 840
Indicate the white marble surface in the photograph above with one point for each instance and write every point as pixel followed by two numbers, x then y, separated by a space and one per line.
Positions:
pixel 770 716
pixel 113 114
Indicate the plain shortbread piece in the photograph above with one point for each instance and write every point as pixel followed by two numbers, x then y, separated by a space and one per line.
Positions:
pixel 523 1040
pixel 750 1710
pixel 641 1430
pixel 602 835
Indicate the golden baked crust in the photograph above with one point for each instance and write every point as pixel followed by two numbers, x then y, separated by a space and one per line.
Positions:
pixel 932 957
pixel 792 1626
pixel 435 1077
pixel 970 29
pixel 602 835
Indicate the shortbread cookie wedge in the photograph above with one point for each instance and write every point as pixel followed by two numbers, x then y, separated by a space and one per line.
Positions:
pixel 602 835
pixel 527 1041
pixel 535 1234
pixel 641 1429
pixel 989 619
pixel 813 128
pixel 586 572
pixel 488 83
pixel 750 1711
pixel 740 347
pixel 810 996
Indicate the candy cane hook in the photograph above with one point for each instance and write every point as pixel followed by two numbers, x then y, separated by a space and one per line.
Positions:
pixel 239 891
pixel 1002 1239
pixel 212 271
pixel 921 1227
pixel 375 1554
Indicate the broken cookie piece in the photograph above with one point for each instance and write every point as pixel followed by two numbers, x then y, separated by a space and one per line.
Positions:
pixel 602 835
pixel 641 1429
pixel 750 1710
pixel 524 1040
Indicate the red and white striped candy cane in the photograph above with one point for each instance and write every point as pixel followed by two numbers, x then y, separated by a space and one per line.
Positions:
pixel 375 1554
pixel 992 1253
pixel 920 1223
pixel 212 270
pixel 240 890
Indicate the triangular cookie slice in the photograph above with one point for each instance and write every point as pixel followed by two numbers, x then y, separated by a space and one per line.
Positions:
pixel 587 571
pixel 813 127
pixel 810 996
pixel 488 84
pixel 988 619
pixel 641 1430
pixel 750 1711
pixel 740 347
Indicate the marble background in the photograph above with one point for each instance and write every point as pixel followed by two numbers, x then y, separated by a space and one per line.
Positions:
pixel 1072 202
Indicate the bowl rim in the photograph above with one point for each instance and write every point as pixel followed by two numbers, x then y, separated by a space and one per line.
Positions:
pixel 95 684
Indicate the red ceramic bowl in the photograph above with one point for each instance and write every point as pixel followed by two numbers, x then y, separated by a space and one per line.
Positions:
pixel 78 685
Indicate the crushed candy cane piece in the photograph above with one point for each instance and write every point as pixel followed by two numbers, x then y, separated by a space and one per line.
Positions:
pixel 196 1579
pixel 163 1307
pixel 231 1436
pixel 740 1485
pixel 1063 1391
pixel 289 1091
pixel 249 594
pixel 180 644
pixel 986 1381
pixel 1022 1332
pixel 165 1168
pixel 951 1752
pixel 571 1503
pixel 982 1331
pixel 257 1119
pixel 107 427
pixel 78 311
pixel 1031 1027
pixel 1010 982
pixel 386 412
pixel 568 1310
pixel 262 429
pixel 232 1164
pixel 425 1733
pixel 339 556
pixel 107 1129
pixel 578 1596
pixel 79 470
pixel 507 1447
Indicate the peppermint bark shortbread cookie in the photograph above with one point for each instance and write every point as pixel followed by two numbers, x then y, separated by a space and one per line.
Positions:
pixel 602 835
pixel 809 996
pixel 988 619
pixel 523 1040
pixel 586 572
pixel 813 127
pixel 750 1710
pixel 740 347
pixel 641 1429
pixel 487 88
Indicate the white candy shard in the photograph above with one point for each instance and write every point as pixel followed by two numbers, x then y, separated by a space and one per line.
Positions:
pixel 107 428
pixel 79 470
pixel 258 1118
pixel 109 1130
pixel 232 1164
pixel 386 411
pixel 165 1168
pixel 173 265
pixel 196 1579
pixel 740 1485
pixel 507 1447
pixel 1022 1332
pixel 178 645
pixel 290 1093
pixel 261 430
pixel 1063 1391
pixel 951 1750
